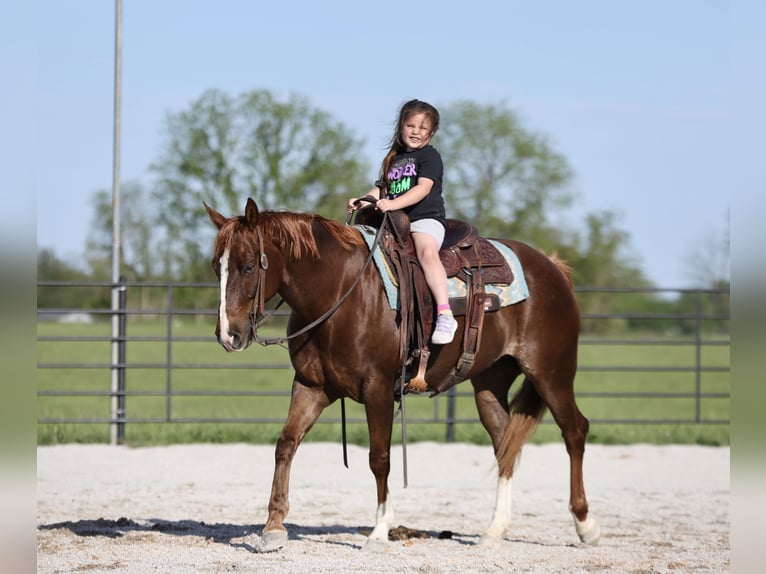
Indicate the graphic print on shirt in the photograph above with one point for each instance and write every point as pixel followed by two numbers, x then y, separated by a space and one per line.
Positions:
pixel 402 176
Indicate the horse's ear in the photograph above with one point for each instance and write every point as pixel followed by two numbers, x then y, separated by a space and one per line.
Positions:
pixel 251 212
pixel 217 219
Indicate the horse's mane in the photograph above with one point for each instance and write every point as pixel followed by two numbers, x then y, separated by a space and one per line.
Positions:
pixel 294 232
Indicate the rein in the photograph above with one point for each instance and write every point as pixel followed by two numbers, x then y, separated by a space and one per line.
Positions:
pixel 258 298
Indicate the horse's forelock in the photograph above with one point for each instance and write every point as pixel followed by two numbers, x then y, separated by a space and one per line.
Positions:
pixel 225 235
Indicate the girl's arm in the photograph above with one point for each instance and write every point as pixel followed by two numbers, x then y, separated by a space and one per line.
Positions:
pixel 414 195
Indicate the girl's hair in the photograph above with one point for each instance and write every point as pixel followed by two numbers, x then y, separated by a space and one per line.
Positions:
pixel 397 145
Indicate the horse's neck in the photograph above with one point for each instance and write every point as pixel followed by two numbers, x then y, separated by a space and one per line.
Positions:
pixel 312 285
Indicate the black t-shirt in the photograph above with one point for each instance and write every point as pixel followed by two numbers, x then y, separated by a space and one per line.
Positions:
pixel 403 175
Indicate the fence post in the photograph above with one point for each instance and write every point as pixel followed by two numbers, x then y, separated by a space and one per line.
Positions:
pixel 117 427
pixel 698 359
pixel 169 355
pixel 116 233
pixel 122 371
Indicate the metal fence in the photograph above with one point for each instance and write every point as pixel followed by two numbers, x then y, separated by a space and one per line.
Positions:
pixel 702 323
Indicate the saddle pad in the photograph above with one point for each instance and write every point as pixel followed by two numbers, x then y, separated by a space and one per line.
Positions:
pixel 381 264
pixel 507 293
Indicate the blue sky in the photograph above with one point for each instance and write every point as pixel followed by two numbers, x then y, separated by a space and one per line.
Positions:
pixel 646 99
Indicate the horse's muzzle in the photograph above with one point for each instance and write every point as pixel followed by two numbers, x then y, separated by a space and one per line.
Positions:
pixel 233 341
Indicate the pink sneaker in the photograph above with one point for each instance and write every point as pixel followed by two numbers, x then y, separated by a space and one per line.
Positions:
pixel 445 328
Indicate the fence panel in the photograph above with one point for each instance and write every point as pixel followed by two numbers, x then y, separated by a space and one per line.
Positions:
pixel 633 362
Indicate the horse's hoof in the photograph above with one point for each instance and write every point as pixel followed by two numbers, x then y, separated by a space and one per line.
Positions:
pixel 271 541
pixel 490 541
pixel 588 531
pixel 376 546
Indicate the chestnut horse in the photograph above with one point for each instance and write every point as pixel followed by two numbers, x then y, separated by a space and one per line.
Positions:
pixel 313 263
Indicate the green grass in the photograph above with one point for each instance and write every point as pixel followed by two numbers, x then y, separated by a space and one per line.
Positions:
pixel 262 374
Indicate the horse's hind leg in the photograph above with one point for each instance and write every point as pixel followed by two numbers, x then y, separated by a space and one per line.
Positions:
pixel 508 434
pixel 574 429
pixel 306 404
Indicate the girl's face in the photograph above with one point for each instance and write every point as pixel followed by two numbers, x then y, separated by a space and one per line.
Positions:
pixel 416 131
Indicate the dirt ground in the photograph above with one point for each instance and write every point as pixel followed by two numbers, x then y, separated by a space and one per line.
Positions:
pixel 200 508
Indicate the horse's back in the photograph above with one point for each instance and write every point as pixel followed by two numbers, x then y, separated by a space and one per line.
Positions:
pixel 551 304
pixel 549 271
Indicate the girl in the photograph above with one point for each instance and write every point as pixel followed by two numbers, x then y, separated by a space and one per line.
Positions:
pixel 411 180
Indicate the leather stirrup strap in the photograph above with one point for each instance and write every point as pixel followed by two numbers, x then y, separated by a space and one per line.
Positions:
pixel 421 316
pixel 474 320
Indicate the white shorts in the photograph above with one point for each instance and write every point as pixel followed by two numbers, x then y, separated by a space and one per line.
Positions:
pixel 432 227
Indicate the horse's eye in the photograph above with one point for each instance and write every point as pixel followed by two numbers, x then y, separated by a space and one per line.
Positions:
pixel 249 269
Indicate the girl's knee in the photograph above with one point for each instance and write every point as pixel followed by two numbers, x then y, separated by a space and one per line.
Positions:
pixel 429 257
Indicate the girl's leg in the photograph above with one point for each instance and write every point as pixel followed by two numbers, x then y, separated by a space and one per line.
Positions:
pixel 428 254
pixel 427 248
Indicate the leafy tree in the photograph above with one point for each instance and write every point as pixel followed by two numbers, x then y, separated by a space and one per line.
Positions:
pixel 222 149
pixel 51 268
pixel 137 231
pixel 708 261
pixel 510 182
pixel 504 178
pixel 711 309
pixel 600 256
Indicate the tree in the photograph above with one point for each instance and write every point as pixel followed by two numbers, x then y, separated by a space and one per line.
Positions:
pixel 600 255
pixel 51 268
pixel 708 263
pixel 505 179
pixel 137 230
pixel 510 182
pixel 222 149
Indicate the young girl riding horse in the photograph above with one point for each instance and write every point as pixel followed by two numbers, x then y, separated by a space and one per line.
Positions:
pixel 411 180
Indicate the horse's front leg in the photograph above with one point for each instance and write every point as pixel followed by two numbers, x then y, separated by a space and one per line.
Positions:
pixel 379 407
pixel 306 404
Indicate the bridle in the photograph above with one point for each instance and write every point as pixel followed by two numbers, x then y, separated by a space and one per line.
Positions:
pixel 259 298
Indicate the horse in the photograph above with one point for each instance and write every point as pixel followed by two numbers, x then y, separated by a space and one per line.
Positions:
pixel 344 343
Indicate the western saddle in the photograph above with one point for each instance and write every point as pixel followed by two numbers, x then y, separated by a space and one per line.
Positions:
pixel 466 256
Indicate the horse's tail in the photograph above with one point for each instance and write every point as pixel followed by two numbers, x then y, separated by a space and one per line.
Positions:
pixel 526 410
pixel 562 266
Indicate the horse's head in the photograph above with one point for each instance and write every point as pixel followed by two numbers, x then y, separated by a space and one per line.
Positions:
pixel 240 263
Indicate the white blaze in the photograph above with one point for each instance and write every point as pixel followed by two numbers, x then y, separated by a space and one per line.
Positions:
pixel 222 318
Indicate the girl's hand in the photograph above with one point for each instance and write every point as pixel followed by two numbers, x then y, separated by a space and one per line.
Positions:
pixel 356 202
pixel 384 205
